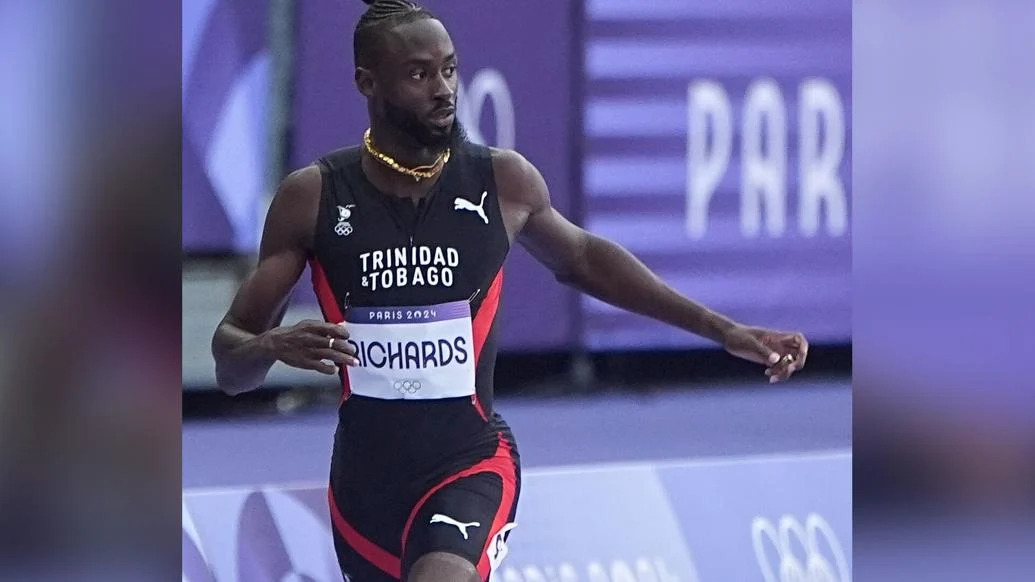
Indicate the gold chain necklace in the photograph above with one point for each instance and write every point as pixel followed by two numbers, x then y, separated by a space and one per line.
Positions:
pixel 419 173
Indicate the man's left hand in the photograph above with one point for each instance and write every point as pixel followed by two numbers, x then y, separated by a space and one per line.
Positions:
pixel 783 353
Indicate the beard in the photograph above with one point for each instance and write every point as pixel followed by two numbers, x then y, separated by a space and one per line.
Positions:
pixel 423 133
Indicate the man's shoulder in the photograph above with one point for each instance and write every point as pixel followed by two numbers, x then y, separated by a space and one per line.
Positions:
pixel 302 178
pixel 509 161
pixel 301 184
pixel 517 179
pixel 512 165
pixel 504 154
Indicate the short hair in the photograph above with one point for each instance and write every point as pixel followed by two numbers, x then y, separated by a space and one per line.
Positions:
pixel 382 15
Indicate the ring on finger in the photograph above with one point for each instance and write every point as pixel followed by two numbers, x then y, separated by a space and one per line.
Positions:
pixel 330 343
pixel 789 358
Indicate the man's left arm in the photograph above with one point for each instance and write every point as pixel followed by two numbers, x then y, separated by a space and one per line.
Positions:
pixel 605 270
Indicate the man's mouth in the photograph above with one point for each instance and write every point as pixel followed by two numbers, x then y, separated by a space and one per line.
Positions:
pixel 443 116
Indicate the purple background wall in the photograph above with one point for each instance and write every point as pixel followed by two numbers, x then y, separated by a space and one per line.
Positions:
pixel 641 58
pixel 329 113
pixel 225 120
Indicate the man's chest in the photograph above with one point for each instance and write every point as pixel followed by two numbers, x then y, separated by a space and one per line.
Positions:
pixel 442 250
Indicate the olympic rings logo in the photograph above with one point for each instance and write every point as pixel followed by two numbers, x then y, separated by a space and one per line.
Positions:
pixel 407 386
pixel 813 566
pixel 343 229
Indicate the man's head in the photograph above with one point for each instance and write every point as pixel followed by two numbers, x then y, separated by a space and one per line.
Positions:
pixel 406 67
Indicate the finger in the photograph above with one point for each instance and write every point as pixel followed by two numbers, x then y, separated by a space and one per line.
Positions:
pixel 803 352
pixel 766 354
pixel 783 369
pixel 325 368
pixel 317 340
pixel 343 346
pixel 337 357
pixel 790 370
pixel 314 340
pixel 786 361
pixel 781 374
pixel 326 329
pixel 316 365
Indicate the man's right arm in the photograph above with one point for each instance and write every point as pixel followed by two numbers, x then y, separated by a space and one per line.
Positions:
pixel 247 341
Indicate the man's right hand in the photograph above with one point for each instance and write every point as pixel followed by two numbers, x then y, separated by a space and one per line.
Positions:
pixel 309 344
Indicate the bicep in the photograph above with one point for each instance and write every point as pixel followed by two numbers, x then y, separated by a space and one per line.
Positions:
pixel 259 303
pixel 552 239
pixel 547 235
pixel 283 253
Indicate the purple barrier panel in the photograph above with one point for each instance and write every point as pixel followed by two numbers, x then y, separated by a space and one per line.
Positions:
pixel 580 524
pixel 516 93
pixel 753 518
pixel 598 524
pixel 258 534
pixel 718 150
pixel 781 517
pixel 195 563
pixel 226 75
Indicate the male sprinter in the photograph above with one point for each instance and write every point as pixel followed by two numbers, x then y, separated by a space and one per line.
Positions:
pixel 406 235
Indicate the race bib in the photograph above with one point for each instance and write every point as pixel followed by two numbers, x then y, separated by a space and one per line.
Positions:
pixel 413 353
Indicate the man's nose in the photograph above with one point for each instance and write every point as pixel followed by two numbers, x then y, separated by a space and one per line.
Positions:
pixel 442 88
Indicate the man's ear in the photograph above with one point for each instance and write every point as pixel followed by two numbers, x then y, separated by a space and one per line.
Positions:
pixel 365 82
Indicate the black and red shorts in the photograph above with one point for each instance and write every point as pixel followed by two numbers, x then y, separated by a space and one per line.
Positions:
pixel 412 477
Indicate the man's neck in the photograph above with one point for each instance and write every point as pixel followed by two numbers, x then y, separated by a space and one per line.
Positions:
pixel 393 183
pixel 402 148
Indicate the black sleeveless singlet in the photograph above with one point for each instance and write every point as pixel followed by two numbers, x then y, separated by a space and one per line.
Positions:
pixel 394 461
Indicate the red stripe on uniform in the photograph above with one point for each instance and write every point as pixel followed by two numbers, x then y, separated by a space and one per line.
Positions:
pixel 499 463
pixel 486 315
pixel 506 506
pixel 478 406
pixel 481 326
pixel 370 551
pixel 324 293
pixel 331 312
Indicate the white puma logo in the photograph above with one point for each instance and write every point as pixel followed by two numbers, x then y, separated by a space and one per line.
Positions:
pixel 439 518
pixel 464 204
